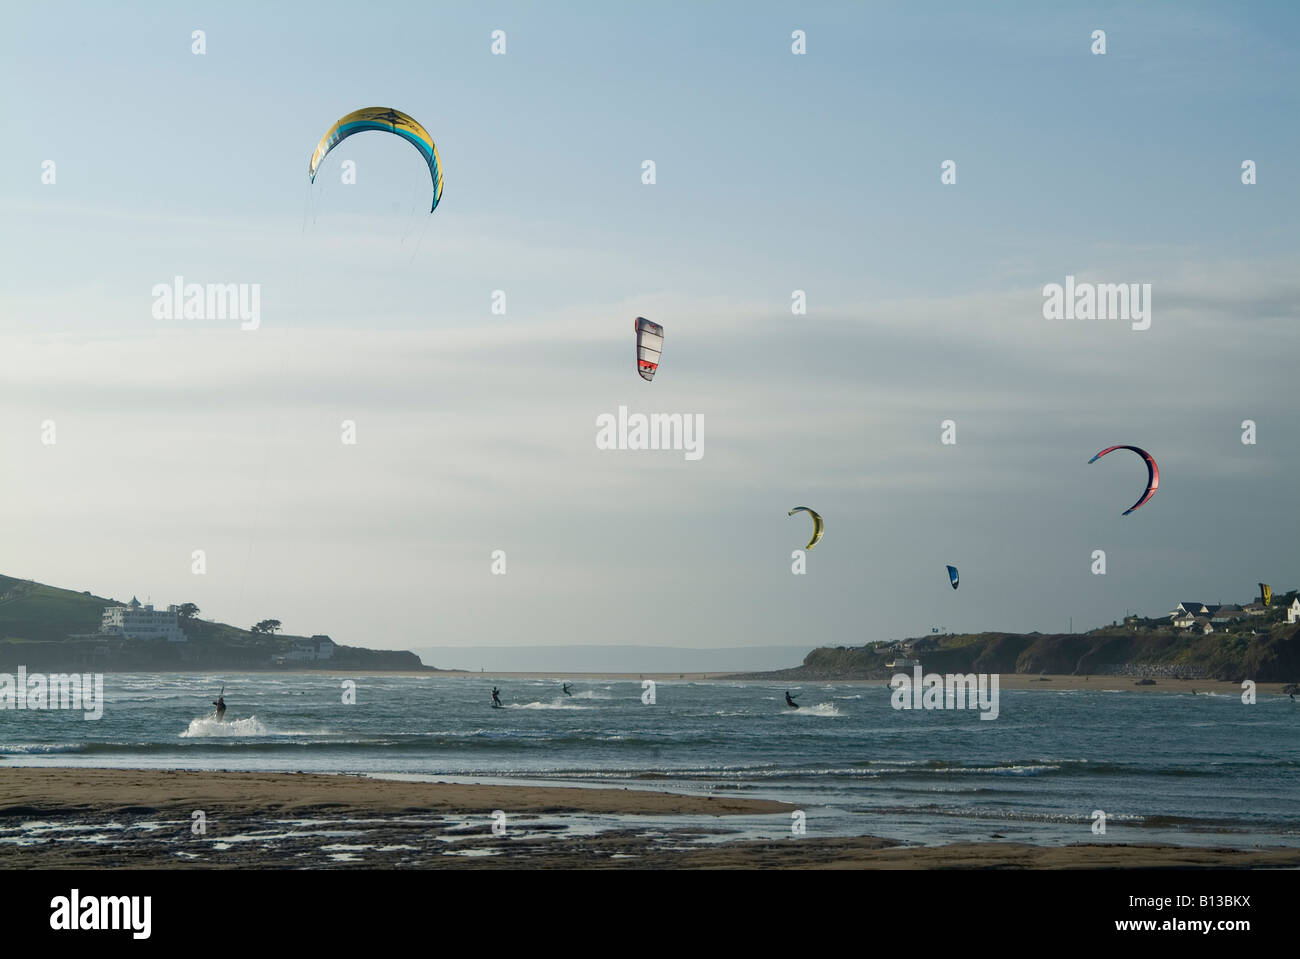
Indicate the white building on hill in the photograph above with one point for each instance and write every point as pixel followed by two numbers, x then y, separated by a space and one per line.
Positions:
pixel 134 621
pixel 314 649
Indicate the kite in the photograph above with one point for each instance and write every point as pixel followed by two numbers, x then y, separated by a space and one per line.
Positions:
pixel 953 577
pixel 386 120
pixel 649 346
pixel 1153 473
pixel 818 526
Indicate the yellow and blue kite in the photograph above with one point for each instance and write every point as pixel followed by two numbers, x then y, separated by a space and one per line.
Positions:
pixel 386 120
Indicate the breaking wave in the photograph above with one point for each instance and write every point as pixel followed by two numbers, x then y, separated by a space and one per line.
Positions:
pixel 252 726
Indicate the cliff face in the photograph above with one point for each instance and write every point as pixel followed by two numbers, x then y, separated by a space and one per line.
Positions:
pixel 1272 656
pixel 1275 658
pixel 355 657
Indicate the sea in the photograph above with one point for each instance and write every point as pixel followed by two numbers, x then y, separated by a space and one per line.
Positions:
pixel 1054 767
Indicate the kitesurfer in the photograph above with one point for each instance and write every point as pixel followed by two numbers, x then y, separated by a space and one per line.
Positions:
pixel 789 701
pixel 496 696
pixel 566 690
pixel 220 703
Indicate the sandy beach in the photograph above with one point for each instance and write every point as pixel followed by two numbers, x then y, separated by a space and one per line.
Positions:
pixel 25 791
pixel 110 818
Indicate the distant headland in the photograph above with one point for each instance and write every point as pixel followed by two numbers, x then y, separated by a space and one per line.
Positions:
pixel 48 628
pixel 1194 641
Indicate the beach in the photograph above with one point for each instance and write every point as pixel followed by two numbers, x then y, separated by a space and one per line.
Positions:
pixel 137 791
pixel 126 818
pixel 418 771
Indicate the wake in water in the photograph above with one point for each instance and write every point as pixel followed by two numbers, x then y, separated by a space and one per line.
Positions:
pixel 209 726
pixel 821 709
pixel 557 704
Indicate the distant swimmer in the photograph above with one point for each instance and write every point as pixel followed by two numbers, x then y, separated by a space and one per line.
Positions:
pixel 496 697
pixel 566 689
pixel 790 702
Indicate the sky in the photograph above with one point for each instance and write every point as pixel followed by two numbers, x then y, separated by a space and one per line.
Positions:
pixel 774 172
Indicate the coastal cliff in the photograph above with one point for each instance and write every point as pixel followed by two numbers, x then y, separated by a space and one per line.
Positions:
pixel 52 629
pixel 1268 655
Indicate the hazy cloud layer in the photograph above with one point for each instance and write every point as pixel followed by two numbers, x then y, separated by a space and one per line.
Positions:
pixel 476 431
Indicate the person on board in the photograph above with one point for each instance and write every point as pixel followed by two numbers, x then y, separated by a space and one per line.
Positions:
pixel 566 690
pixel 220 703
pixel 496 696
pixel 790 702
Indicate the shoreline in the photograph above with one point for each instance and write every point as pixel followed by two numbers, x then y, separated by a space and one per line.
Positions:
pixel 60 818
pixel 64 790
pixel 1018 681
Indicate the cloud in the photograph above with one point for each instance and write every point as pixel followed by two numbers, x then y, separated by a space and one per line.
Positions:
pixel 477 432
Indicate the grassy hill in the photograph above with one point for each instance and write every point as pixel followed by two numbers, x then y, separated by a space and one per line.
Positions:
pixel 41 627
pixel 38 613
pixel 1265 650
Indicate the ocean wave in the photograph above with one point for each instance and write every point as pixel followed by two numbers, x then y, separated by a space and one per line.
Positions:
pixel 208 727
pixel 37 749
pixel 940 767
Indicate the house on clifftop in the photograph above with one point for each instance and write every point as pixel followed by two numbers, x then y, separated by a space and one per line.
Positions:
pixel 1227 613
pixel 315 649
pixel 134 621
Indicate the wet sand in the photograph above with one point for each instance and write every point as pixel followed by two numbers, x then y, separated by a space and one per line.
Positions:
pixel 26 791
pixel 120 818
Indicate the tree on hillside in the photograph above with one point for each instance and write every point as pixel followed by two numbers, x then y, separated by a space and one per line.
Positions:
pixel 188 611
pixel 267 626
